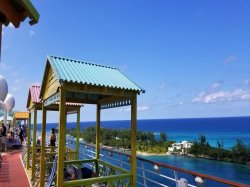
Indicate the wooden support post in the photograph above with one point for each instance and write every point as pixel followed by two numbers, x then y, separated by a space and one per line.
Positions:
pixel 133 139
pixel 29 144
pixel 98 134
pixel 34 144
pixel 43 141
pixel 1 25
pixel 77 134
pixel 61 137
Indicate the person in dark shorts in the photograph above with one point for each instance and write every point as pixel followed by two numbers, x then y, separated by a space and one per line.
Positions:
pixel 53 138
pixel 21 135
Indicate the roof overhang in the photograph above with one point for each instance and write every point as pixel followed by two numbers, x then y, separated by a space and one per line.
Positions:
pixel 21 115
pixel 16 11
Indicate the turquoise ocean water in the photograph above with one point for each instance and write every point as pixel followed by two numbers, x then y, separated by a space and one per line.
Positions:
pixel 226 130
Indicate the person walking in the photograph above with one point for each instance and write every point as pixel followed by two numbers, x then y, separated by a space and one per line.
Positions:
pixel 21 135
pixel 53 138
pixel 3 137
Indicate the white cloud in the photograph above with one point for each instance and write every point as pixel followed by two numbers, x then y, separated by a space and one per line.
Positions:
pixel 247 82
pixel 216 85
pixel 123 68
pixel 15 88
pixel 17 81
pixel 4 66
pixel 142 108
pixel 162 86
pixel 223 96
pixel 230 59
pixel 32 32
pixel 139 109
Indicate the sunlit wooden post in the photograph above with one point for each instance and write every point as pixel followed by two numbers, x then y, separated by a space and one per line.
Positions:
pixel 133 139
pixel 98 134
pixel 0 39
pixel 61 136
pixel 28 147
pixel 42 158
pixel 77 133
pixel 34 144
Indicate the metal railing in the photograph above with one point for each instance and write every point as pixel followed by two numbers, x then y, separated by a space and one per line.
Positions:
pixel 151 173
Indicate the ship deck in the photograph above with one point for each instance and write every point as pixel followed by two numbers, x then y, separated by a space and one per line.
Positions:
pixel 12 172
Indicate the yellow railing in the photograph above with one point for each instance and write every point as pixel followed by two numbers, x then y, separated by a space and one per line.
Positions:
pixel 50 152
pixel 109 174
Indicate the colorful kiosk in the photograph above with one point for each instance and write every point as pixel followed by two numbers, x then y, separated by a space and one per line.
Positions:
pixel 34 103
pixel 68 80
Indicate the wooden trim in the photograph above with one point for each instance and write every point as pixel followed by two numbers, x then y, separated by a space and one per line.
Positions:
pixel 34 143
pixel 112 99
pixel 28 147
pixel 77 133
pixel 62 137
pixel 133 139
pixel 12 15
pixel 98 134
pixel 43 141
pixel 100 90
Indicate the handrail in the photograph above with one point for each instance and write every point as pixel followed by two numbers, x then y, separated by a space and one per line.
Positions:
pixel 193 173
pixel 96 180
pixel 204 176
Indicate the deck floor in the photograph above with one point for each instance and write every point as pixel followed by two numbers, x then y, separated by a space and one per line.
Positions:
pixel 12 172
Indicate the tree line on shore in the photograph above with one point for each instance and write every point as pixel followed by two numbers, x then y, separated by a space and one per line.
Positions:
pixel 120 138
pixel 147 142
pixel 239 153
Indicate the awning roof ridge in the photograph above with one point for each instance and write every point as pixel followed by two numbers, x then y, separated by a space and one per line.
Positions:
pixel 81 61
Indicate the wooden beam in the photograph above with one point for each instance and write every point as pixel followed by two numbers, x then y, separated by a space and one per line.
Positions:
pixel 133 139
pixel 77 133
pixel 76 100
pixel 42 158
pixel 1 25
pixel 34 143
pixel 111 99
pixel 29 143
pixel 100 90
pixel 98 134
pixel 62 137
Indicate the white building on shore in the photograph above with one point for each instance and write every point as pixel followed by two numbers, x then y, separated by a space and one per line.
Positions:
pixel 180 147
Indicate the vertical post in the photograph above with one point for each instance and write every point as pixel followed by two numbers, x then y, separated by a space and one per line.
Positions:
pixel 0 40
pixel 61 136
pixel 34 144
pixel 133 139
pixel 77 133
pixel 42 158
pixel 28 148
pixel 98 133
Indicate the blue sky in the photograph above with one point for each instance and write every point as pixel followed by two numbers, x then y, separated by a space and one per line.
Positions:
pixel 191 57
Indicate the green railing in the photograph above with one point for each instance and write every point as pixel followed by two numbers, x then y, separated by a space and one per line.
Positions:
pixel 70 154
pixel 108 174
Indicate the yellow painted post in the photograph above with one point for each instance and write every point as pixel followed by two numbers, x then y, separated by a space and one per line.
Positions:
pixel 34 143
pixel 61 136
pixel 77 133
pixel 42 158
pixel 28 148
pixel 98 116
pixel 133 139
pixel 98 133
